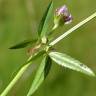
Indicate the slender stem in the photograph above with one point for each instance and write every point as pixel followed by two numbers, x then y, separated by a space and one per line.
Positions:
pixel 15 79
pixel 53 29
pixel 72 29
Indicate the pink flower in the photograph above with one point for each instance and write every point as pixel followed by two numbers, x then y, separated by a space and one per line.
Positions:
pixel 62 16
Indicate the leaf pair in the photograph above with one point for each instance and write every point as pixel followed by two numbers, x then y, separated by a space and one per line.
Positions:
pixel 61 59
pixel 41 74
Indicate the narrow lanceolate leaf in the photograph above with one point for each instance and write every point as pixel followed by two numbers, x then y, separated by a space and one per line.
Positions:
pixel 41 74
pixel 43 26
pixel 23 44
pixel 69 62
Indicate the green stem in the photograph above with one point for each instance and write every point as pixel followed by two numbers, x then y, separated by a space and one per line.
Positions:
pixel 53 29
pixel 15 79
pixel 72 29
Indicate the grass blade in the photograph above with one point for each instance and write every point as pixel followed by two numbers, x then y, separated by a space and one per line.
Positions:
pixel 69 62
pixel 41 74
pixel 43 26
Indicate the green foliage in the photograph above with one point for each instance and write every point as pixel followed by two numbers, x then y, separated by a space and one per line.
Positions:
pixel 41 74
pixel 43 26
pixel 45 49
pixel 69 62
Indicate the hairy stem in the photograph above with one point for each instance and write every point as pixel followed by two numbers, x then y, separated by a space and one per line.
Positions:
pixel 73 29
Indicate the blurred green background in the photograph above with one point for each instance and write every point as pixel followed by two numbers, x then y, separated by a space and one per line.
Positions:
pixel 19 20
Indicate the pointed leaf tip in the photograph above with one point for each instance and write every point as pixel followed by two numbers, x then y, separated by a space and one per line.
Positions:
pixel 23 44
pixel 43 26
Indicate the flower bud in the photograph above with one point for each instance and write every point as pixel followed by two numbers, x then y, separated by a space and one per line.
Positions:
pixel 44 40
pixel 62 16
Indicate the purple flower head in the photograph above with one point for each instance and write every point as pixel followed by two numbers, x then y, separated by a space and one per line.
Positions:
pixel 62 10
pixel 62 15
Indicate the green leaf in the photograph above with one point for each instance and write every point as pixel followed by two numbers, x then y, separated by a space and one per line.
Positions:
pixel 23 44
pixel 43 26
pixel 69 62
pixel 41 74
